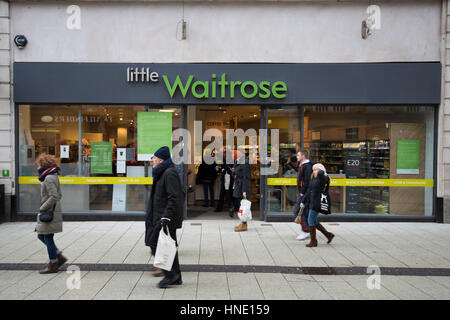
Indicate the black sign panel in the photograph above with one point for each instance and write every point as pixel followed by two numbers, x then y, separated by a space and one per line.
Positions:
pixel 353 194
pixel 307 83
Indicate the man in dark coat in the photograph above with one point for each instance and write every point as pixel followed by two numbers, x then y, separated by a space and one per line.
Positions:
pixel 303 180
pixel 225 190
pixel 165 208
pixel 241 190
pixel 207 174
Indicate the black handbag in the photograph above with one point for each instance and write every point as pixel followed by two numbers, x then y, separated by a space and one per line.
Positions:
pixel 47 216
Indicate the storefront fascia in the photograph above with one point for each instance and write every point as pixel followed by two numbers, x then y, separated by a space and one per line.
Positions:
pixel 267 85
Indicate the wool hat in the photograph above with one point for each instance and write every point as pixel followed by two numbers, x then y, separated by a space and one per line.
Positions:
pixel 163 153
pixel 320 167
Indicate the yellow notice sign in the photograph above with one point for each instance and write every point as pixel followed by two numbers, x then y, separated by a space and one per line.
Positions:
pixel 360 182
pixel 91 180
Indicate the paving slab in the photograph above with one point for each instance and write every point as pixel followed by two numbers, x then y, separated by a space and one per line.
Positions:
pixel 213 286
pixel 186 291
pixel 119 286
pixel 244 286
pixel 91 284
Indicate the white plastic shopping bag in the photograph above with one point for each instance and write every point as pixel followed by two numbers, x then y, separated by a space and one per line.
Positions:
pixel 165 251
pixel 244 212
pixel 227 181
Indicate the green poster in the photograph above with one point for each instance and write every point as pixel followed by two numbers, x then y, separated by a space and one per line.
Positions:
pixel 408 156
pixel 154 131
pixel 101 157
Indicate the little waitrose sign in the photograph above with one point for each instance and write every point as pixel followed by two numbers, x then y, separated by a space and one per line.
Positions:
pixel 227 83
pixel 215 87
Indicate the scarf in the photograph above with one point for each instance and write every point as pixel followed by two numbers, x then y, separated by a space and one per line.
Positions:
pixel 45 172
pixel 156 172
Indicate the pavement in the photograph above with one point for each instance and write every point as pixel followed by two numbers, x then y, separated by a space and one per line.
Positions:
pixel 393 261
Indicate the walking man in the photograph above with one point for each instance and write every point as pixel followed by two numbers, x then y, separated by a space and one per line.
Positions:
pixel 303 178
pixel 165 208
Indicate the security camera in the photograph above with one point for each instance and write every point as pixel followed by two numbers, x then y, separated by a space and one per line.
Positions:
pixel 20 41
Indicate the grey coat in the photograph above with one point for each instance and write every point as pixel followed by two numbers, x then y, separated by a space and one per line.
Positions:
pixel 242 179
pixel 50 195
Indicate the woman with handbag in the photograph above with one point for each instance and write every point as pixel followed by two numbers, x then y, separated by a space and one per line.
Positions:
pixel 319 183
pixel 49 219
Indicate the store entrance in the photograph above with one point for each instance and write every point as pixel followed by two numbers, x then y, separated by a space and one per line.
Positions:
pixel 211 197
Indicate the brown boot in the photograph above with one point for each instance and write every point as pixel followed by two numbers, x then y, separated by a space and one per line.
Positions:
pixel 327 234
pixel 158 273
pixel 51 268
pixel 241 227
pixel 61 259
pixel 312 234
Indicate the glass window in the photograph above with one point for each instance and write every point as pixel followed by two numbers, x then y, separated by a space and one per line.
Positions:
pixel 86 149
pixel 380 158
pixel 282 198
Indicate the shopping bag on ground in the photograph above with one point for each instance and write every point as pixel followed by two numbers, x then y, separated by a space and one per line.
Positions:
pixel 244 212
pixel 165 251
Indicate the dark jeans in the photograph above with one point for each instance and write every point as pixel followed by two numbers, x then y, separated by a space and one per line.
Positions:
pixel 210 186
pixel 47 239
pixel 305 226
pixel 224 195
pixel 237 203
pixel 154 243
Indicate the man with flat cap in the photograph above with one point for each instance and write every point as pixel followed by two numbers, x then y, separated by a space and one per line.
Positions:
pixel 165 208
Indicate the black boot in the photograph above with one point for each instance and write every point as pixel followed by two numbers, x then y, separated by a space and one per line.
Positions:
pixel 170 280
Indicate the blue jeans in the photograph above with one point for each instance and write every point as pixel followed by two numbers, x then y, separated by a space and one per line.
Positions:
pixel 305 224
pixel 210 186
pixel 47 239
pixel 313 218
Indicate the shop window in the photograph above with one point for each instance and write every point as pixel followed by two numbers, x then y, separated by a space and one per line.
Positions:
pixel 88 141
pixel 390 147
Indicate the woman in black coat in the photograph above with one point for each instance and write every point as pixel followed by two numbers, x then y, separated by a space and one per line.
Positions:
pixel 320 181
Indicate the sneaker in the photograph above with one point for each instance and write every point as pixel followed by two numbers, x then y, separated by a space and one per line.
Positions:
pixel 164 283
pixel 302 236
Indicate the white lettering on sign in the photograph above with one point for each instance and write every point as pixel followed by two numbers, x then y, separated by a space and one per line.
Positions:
pixel 141 75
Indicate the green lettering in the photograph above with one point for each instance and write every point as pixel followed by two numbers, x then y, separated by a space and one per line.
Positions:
pixel 177 84
pixel 245 94
pixel 264 86
pixel 213 86
pixel 223 84
pixel 277 87
pixel 205 92
pixel 232 85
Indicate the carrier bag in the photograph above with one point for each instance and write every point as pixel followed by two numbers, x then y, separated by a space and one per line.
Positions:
pixel 165 251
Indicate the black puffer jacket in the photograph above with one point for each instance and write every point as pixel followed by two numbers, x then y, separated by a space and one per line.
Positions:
pixel 316 186
pixel 166 200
